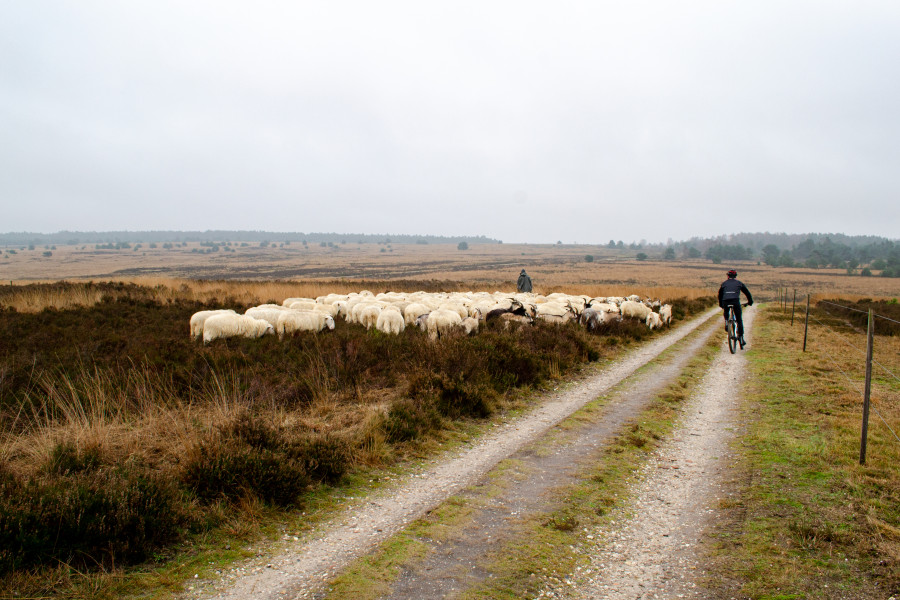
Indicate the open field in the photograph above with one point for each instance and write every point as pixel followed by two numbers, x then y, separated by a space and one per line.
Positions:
pixel 257 274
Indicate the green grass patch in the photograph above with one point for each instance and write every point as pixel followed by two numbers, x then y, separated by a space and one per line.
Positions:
pixel 811 522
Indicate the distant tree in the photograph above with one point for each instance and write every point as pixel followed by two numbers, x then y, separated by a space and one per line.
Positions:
pixel 559 242
pixel 611 244
pixel 866 272
pixel 771 254
pixel 462 246
pixel 641 256
pixel 588 258
pixel 620 244
pixel 48 253
pixel 669 254
pixel 878 264
pixel 692 252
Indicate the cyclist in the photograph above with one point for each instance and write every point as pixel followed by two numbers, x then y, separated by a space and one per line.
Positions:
pixel 730 296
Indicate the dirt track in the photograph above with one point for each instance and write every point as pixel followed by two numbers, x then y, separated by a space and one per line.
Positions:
pixel 300 570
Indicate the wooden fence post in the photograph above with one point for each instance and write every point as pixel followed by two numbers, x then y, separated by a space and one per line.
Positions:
pixel 793 306
pixel 806 326
pixel 868 391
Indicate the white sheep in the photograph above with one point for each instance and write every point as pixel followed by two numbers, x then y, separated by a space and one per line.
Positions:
pixel 441 322
pixel 198 318
pixel 413 311
pixel 288 301
pixel 302 320
pixel 511 319
pixel 607 307
pixel 301 304
pixel 234 325
pixel 470 324
pixel 635 310
pixel 266 312
pixel 367 315
pixel 665 313
pixel 653 320
pixel 554 312
pixel 390 320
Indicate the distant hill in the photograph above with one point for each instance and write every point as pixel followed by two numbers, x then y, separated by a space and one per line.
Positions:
pixel 140 237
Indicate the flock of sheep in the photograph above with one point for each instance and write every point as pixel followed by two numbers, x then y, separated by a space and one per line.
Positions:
pixel 437 314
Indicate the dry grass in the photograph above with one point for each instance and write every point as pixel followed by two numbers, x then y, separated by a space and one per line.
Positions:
pixel 255 275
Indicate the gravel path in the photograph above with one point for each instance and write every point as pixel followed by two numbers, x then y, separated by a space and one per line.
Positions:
pixel 301 570
pixel 530 485
pixel 654 554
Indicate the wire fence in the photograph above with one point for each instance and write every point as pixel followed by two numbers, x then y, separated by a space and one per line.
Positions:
pixel 844 339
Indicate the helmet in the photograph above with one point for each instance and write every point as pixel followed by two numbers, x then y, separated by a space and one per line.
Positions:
pixel 732 273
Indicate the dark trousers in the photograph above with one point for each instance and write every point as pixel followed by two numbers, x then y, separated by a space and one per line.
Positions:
pixel 735 305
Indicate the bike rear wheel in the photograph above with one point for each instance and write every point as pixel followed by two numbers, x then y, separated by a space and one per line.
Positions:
pixel 732 336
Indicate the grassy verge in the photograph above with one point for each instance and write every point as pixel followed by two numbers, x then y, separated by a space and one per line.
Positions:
pixel 547 547
pixel 812 522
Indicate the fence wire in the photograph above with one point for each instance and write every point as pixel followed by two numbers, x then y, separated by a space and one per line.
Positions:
pixel 857 348
pixel 847 377
pixel 858 310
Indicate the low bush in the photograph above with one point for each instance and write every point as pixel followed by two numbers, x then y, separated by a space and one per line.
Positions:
pixel 88 516
pixel 246 457
pixel 410 419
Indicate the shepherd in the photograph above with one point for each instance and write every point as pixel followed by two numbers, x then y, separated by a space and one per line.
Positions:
pixel 524 282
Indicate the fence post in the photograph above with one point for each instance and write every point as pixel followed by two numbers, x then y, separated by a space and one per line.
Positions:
pixel 868 391
pixel 793 306
pixel 806 326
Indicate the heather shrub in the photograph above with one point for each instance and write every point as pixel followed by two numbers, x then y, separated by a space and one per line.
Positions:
pixel 245 456
pixel 325 458
pixel 410 419
pixel 109 515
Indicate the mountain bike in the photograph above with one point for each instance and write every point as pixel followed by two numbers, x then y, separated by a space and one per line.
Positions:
pixel 731 327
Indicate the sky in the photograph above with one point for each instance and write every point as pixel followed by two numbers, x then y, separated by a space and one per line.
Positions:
pixel 523 121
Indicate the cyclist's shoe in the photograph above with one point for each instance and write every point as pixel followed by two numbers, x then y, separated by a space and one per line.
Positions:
pixel 743 343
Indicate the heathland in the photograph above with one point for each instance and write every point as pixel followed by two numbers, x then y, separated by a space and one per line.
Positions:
pixel 137 444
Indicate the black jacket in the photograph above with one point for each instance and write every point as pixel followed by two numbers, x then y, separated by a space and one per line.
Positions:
pixel 731 289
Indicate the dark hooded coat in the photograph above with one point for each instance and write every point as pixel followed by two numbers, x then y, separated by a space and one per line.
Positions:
pixel 524 282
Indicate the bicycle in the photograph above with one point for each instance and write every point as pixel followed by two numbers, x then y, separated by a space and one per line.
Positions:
pixel 731 327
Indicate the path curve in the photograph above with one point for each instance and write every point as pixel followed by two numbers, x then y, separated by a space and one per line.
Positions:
pixel 301 570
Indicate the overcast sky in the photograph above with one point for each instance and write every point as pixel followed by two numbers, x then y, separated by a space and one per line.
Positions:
pixel 523 121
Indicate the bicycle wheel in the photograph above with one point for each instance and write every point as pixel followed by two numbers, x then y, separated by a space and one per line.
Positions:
pixel 732 335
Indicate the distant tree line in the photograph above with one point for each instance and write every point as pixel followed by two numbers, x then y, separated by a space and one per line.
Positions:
pixel 132 237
